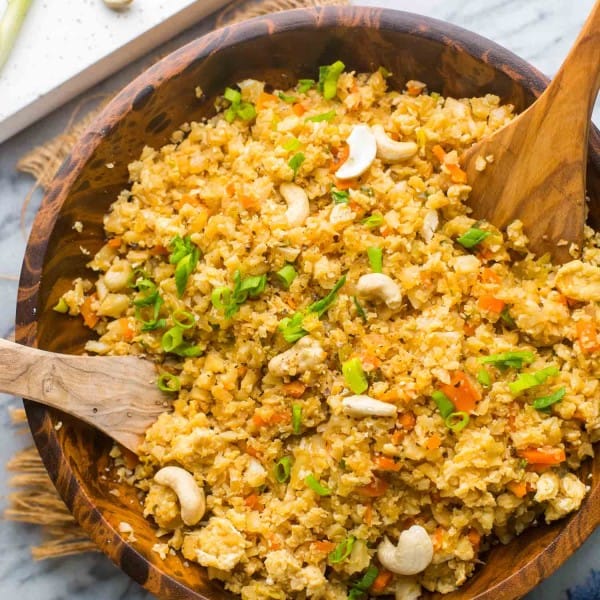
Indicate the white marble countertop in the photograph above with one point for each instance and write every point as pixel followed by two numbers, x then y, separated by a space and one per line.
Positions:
pixel 540 31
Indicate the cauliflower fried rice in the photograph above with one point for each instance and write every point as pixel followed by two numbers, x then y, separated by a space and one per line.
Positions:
pixel 370 388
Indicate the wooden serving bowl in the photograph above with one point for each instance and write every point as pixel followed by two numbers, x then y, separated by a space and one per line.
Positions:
pixel 278 49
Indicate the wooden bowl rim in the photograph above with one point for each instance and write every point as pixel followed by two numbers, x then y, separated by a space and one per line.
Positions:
pixel 575 530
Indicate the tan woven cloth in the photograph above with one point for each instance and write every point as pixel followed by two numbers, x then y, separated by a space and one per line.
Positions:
pixel 34 499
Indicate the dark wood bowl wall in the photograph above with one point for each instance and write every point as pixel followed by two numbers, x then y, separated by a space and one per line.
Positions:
pixel 278 50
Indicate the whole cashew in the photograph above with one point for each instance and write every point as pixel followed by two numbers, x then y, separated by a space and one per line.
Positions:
pixel 190 494
pixel 306 355
pixel 380 286
pixel 431 222
pixel 363 149
pixel 579 281
pixel 389 150
pixel 297 202
pixel 411 555
pixel 365 406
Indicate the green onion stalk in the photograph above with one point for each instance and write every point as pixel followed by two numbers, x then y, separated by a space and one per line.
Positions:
pixel 10 25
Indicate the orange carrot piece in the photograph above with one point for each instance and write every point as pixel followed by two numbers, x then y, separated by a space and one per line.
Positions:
pixel 346 184
pixel 230 189
pixel 386 230
pixel 159 250
pixel 126 329
pixel 475 538
pixel 383 463
pixel 376 488
pixel 490 276
pixel 543 456
pixel 469 329
pixel 323 546
pixel 90 318
pixel 439 152
pixel 462 392
pixel 383 579
pixel 407 420
pixel 434 442
pixel 587 336
pixel 518 488
pixel 114 242
pixel 249 202
pixel 265 99
pixel 295 389
pixel 491 304
pixel 438 538
pixel 298 109
pixel 369 514
pixel 253 502
pixel 341 157
pixel 397 436
pixel 457 175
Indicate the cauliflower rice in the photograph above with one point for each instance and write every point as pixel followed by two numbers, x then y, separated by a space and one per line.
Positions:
pixel 322 432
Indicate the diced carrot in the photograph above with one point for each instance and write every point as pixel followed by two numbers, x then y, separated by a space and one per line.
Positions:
pixel 323 546
pixel 114 242
pixel 346 184
pixel 295 389
pixel 475 538
pixel 434 442
pixel 543 456
pixel 386 230
pixel 439 153
pixel 438 538
pixel 490 276
pixel 376 488
pixel 159 250
pixel 457 175
pixel 415 88
pixel 187 199
pixel 462 391
pixel 264 99
pixel 253 502
pixel 126 329
pixel 369 359
pixel 491 304
pixel 518 488
pixel 469 328
pixel 341 157
pixel 383 463
pixel 407 420
pixel 252 451
pixel 369 514
pixel 298 109
pixel 539 469
pixel 383 579
pixel 587 336
pixel 274 541
pixel 230 189
pixel 392 395
pixel 397 436
pixel 274 418
pixel 249 202
pixel 90 318
pixel 259 420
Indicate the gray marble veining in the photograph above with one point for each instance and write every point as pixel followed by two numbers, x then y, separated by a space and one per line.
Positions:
pixel 541 31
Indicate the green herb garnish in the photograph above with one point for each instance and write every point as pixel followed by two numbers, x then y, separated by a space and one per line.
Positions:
pixel 472 237
pixel 292 145
pixel 169 383
pixel 283 469
pixel 304 85
pixel 288 99
pixel 444 404
pixel 375 255
pixel 295 162
pixel 185 255
pixel 484 378
pixel 457 421
pixel 328 78
pixel 238 109
pixel 342 551
pixel 327 116
pixel 505 360
pixel 228 300
pixel 359 309
pixel 361 587
pixel 355 376
pixel 525 381
pixel 313 483
pixel 286 275
pixel 296 418
pixel 339 196
pixel 546 402
pixel 373 221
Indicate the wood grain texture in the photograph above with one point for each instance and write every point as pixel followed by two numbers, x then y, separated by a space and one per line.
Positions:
pixel 279 50
pixel 538 172
pixel 116 394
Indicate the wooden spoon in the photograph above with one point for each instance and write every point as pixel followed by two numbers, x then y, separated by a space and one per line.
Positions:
pixel 116 394
pixel 539 159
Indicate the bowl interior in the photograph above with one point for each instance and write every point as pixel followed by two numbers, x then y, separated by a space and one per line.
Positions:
pixel 278 50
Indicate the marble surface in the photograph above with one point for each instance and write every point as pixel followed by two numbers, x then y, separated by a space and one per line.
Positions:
pixel 540 31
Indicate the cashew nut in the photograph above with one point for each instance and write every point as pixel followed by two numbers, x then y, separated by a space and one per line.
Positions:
pixel 306 355
pixel 190 494
pixel 378 285
pixel 431 222
pixel 363 149
pixel 297 202
pixel 365 406
pixel 411 555
pixel 390 150
pixel 579 281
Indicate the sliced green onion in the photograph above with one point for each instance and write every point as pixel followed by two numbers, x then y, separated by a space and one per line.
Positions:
pixel 183 319
pixel 327 116
pixel 313 483
pixel 246 111
pixel 172 338
pixel 61 306
pixel 434 95
pixel 359 309
pixel 10 25
pixel 384 72
pixel 185 254
pixel 507 318
pixel 232 95
pixel 242 110
pixel 286 275
pixel 296 418
pixel 360 588
pixel 291 327
pixel 342 551
pixel 506 360
pixel 304 85
pixel 180 247
pixel 288 99
pixel 340 196
pixel 484 378
pixel 525 381
pixel 252 286
pixel 295 162
pixel 367 190
pixel 373 221
pixel 328 78
pixel 283 469
pixel 154 322
pixel 546 402
pixel 188 351
pixel 457 421
pixel 220 297
pixel 169 383
pixel 375 255
pixel 472 237
pixel 292 145
pixel 444 404
pixel 321 306
pixel 355 376
pixel 148 292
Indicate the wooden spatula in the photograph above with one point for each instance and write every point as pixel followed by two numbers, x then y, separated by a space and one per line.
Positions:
pixel 116 394
pixel 539 159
